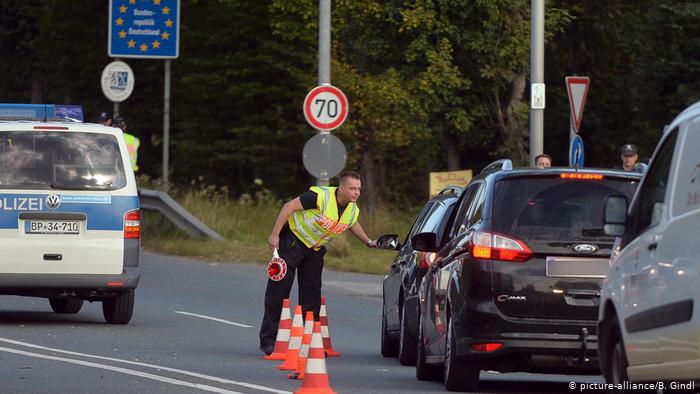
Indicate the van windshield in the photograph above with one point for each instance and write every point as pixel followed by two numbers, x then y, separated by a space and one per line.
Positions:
pixel 60 160
pixel 551 208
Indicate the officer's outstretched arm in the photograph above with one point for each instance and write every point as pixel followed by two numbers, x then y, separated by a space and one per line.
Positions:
pixel 359 232
pixel 286 211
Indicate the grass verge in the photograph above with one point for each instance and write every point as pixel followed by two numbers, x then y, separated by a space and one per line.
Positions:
pixel 246 223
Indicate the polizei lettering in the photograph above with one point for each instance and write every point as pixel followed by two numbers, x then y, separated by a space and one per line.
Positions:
pixel 21 204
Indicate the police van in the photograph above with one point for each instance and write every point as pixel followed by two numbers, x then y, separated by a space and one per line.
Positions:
pixel 69 211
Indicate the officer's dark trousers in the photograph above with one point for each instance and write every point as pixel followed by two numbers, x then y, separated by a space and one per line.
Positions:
pixel 309 265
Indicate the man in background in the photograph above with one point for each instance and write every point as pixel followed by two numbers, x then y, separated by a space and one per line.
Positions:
pixel 629 157
pixel 132 143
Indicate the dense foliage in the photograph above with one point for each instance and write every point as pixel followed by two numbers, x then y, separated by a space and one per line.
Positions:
pixel 433 84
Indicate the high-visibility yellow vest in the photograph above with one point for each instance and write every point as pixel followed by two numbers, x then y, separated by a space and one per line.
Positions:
pixel 132 145
pixel 318 226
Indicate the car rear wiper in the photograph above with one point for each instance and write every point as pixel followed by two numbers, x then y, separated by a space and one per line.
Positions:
pixel 78 187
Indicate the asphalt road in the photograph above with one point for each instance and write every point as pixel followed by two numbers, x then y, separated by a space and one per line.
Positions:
pixel 195 330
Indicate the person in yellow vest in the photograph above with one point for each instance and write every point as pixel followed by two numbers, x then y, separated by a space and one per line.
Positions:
pixel 132 143
pixel 303 227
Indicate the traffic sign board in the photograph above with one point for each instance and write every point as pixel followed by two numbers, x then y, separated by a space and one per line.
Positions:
pixel 576 152
pixel 324 155
pixel 577 87
pixel 144 29
pixel 117 81
pixel 325 107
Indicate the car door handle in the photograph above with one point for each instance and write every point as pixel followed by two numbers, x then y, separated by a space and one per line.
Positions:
pixel 652 246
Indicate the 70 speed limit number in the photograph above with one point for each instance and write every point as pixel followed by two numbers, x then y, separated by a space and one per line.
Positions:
pixel 325 107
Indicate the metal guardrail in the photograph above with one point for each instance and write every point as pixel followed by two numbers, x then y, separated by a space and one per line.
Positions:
pixel 155 200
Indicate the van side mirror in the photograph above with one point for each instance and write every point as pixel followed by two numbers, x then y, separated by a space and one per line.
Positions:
pixel 615 215
pixel 388 242
pixel 424 242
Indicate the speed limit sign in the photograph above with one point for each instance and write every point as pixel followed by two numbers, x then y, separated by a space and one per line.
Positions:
pixel 325 107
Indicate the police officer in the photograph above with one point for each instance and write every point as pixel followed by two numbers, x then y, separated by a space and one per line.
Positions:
pixel 629 157
pixel 132 143
pixel 105 119
pixel 304 225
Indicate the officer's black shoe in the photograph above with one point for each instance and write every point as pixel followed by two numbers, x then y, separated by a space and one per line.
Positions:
pixel 267 349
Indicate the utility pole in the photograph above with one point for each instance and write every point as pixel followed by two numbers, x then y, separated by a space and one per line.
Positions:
pixel 324 56
pixel 536 77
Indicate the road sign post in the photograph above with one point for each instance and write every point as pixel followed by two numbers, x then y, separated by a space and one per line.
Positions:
pixel 147 29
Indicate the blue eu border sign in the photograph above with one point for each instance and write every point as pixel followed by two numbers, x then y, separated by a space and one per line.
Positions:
pixel 144 28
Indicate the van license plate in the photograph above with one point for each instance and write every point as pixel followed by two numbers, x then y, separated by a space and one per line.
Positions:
pixel 51 227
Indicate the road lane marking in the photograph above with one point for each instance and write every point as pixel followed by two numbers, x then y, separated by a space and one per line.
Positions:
pixel 175 370
pixel 215 319
pixel 122 370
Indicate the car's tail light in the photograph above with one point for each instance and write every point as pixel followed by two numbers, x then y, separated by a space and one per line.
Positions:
pixel 426 260
pixel 490 245
pixel 486 347
pixel 132 224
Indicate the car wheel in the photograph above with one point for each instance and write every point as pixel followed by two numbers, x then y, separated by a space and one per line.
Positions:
pixel 390 347
pixel 407 343
pixel 120 308
pixel 66 305
pixel 616 368
pixel 459 375
pixel 424 371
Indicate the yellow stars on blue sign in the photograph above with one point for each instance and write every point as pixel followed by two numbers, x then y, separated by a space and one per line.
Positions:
pixel 144 28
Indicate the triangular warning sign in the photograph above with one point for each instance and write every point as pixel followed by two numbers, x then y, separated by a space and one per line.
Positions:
pixel 577 87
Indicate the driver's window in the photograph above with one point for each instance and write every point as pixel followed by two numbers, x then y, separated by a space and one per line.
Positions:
pixel 461 218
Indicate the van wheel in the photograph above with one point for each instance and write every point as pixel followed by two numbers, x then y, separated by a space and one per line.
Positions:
pixel 424 371
pixel 407 343
pixel 459 375
pixel 66 305
pixel 120 308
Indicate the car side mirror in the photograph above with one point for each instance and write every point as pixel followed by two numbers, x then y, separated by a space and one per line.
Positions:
pixel 424 242
pixel 388 242
pixel 615 215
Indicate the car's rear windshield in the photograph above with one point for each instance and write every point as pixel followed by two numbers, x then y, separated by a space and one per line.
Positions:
pixel 60 160
pixel 552 208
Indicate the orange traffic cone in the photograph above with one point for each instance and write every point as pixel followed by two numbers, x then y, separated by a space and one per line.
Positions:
pixel 324 330
pixel 282 340
pixel 304 352
pixel 316 377
pixel 290 361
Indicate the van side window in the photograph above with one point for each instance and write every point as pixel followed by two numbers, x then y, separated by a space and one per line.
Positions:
pixel 478 207
pixel 652 193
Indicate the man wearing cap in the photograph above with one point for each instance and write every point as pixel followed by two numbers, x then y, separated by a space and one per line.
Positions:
pixel 105 119
pixel 629 157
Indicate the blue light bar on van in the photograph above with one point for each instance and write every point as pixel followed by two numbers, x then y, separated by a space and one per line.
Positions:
pixel 73 113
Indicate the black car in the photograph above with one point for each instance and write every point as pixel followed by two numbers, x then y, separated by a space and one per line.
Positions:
pixel 400 287
pixel 516 285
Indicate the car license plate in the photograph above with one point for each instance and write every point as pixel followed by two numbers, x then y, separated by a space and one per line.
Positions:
pixel 577 267
pixel 51 227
